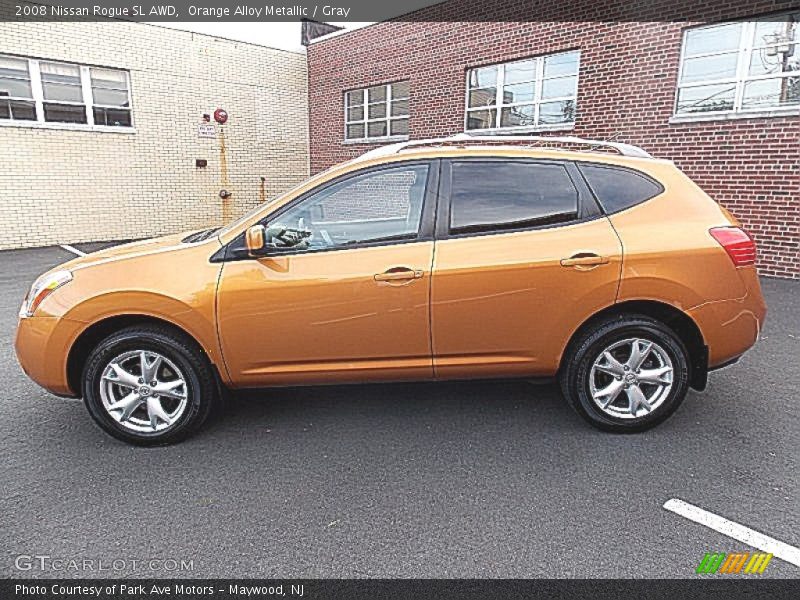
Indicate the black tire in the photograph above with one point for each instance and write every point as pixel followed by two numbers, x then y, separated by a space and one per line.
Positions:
pixel 575 373
pixel 200 383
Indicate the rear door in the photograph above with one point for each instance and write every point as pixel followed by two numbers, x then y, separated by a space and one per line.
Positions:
pixel 523 257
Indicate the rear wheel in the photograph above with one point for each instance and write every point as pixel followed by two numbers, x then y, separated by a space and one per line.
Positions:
pixel 627 373
pixel 148 385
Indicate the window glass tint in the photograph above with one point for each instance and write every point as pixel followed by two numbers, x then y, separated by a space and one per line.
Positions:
pixel 377 206
pixel 488 196
pixel 617 189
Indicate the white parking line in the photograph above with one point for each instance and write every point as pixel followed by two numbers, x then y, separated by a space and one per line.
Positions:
pixel 733 530
pixel 69 248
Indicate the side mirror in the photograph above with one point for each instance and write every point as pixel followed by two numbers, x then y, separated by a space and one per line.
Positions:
pixel 255 240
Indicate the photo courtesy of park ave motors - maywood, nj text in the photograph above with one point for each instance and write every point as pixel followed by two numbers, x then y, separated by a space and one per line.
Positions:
pixel 443 299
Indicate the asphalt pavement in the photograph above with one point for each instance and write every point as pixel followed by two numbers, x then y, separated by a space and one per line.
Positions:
pixel 472 479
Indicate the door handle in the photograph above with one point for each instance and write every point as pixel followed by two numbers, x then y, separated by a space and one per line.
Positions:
pixel 399 274
pixel 585 259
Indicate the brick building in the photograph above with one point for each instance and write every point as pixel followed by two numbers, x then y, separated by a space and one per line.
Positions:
pixel 100 130
pixel 718 92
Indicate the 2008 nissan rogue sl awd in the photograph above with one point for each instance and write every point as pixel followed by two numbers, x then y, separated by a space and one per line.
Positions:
pixel 444 259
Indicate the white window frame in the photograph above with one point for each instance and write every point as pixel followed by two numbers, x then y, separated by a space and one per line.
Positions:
pixel 31 99
pixel 88 81
pixel 742 77
pixel 34 71
pixel 537 101
pixel 365 120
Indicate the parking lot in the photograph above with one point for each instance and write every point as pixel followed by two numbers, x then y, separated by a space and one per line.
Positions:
pixel 466 479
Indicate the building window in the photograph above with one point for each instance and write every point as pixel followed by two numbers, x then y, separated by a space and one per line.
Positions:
pixel 740 67
pixel 39 92
pixel 536 93
pixel 16 92
pixel 377 112
pixel 111 97
pixel 63 93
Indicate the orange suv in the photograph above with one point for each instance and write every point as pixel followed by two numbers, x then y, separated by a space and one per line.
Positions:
pixel 431 259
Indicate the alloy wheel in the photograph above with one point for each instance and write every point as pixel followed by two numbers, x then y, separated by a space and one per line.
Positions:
pixel 631 378
pixel 143 391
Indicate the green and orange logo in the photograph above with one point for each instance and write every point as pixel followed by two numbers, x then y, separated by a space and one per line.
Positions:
pixel 734 564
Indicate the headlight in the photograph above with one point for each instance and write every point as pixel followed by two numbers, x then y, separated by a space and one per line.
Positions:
pixel 41 289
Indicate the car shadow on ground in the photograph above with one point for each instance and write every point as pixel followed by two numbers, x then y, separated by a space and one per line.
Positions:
pixel 479 404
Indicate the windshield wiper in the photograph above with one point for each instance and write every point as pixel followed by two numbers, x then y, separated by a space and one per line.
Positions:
pixel 199 236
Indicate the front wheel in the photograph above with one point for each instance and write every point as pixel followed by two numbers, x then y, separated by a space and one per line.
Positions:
pixel 148 385
pixel 628 373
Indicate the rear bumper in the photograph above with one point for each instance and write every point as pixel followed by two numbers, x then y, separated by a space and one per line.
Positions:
pixel 42 345
pixel 731 327
pixel 727 363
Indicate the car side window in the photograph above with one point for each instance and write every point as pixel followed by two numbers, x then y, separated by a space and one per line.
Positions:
pixel 491 196
pixel 617 188
pixel 376 206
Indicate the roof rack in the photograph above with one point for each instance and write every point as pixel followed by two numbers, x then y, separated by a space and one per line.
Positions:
pixel 461 138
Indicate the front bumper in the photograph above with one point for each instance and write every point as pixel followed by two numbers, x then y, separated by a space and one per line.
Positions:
pixel 42 345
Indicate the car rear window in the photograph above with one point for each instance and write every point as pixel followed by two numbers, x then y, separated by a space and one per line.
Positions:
pixel 502 195
pixel 617 188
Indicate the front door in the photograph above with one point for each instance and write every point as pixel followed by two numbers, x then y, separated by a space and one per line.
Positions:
pixel 348 303
pixel 523 257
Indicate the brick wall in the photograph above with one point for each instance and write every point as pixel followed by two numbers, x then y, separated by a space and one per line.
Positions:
pixel 626 89
pixel 63 186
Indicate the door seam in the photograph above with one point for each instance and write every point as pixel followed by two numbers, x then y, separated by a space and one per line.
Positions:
pixel 436 206
pixel 621 259
pixel 430 309
pixel 217 325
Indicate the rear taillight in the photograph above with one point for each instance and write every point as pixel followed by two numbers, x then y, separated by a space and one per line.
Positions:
pixel 737 243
